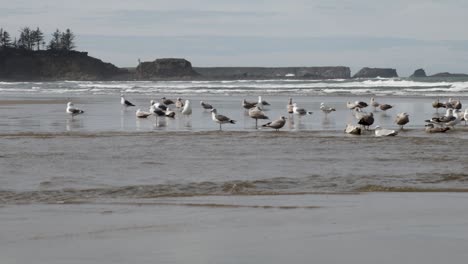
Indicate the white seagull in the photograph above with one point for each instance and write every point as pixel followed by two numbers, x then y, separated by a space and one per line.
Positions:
pixel 72 110
pixel 187 110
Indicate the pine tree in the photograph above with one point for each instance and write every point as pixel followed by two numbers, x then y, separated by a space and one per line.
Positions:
pixel 67 40
pixel 55 42
pixel 5 40
pixel 26 40
pixel 37 38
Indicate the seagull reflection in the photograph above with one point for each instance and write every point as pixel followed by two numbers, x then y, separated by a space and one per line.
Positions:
pixel 73 124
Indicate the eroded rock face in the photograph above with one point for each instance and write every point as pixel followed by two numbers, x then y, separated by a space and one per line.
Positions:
pixel 376 72
pixel 448 75
pixel 25 65
pixel 165 68
pixel 419 73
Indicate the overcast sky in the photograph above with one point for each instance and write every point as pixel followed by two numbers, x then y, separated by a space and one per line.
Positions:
pixel 401 34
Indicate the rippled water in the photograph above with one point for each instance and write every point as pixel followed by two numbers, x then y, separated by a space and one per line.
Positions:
pixel 107 153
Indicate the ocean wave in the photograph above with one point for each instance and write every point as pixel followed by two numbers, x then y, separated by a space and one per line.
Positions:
pixel 394 86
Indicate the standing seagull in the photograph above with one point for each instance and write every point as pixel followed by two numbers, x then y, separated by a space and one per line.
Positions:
pixel 300 111
pixel 72 110
pixel 374 103
pixel 402 119
pixel 220 119
pixel 277 124
pixel 206 106
pixel 366 120
pixel 125 102
pixel 326 109
pixel 437 104
pixel 187 110
pixel 290 106
pixel 256 113
pixel 179 103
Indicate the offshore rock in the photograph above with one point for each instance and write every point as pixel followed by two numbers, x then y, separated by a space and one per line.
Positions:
pixel 376 72
pixel 419 73
pixel 165 68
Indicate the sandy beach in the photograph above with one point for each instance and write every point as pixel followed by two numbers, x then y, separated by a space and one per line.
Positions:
pixel 360 228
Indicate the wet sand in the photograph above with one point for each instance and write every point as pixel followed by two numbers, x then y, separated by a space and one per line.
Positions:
pixel 367 228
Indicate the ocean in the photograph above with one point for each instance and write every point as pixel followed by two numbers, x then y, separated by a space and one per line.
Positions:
pixel 114 176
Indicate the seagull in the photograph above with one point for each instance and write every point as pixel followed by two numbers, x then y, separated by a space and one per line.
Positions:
pixel 261 102
pixel 437 104
pixel 382 132
pixel 187 110
pixel 169 113
pixel 256 113
pixel 72 110
pixel 277 124
pixel 220 119
pixel 402 119
pixel 353 130
pixel 374 103
pixel 206 106
pixel 300 111
pixel 167 101
pixel 290 106
pixel 361 104
pixel 179 103
pixel 431 129
pixel 158 105
pixel 443 120
pixel 124 102
pixel 366 120
pixel 326 109
pixel 351 106
pixel 247 105
pixel 156 110
pixel 385 107
pixel 142 114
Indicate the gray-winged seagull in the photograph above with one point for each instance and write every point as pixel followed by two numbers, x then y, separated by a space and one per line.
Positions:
pixel 220 119
pixel 277 124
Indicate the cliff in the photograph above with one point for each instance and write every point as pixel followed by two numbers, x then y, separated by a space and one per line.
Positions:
pixel 419 73
pixel 376 72
pixel 165 68
pixel 338 72
pixel 25 65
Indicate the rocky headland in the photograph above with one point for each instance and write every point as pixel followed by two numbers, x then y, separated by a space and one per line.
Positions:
pixel 27 65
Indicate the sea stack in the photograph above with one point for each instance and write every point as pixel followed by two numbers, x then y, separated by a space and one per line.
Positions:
pixel 419 73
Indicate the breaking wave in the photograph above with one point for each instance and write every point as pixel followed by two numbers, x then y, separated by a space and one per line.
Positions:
pixel 397 86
